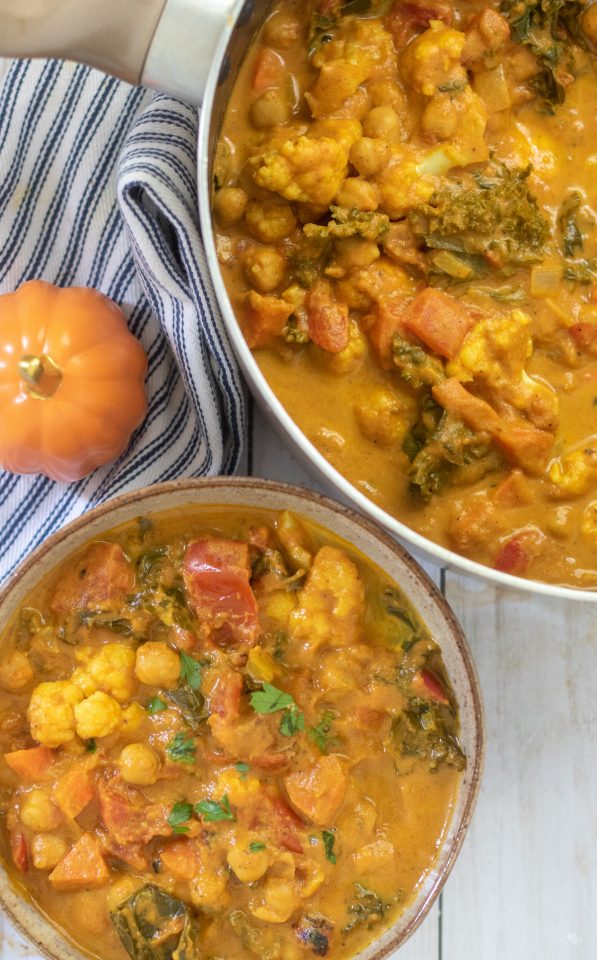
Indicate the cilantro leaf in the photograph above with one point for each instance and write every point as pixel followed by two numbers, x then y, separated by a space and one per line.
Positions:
pixel 292 721
pixel 256 846
pixel 180 814
pixel 270 699
pixel 190 671
pixel 181 749
pixel 329 838
pixel 156 705
pixel 211 811
pixel 319 734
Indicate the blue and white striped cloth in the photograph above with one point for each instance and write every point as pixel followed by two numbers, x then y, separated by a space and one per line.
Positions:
pixel 97 188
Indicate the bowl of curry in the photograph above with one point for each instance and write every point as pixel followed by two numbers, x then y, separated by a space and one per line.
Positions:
pixel 405 223
pixel 227 731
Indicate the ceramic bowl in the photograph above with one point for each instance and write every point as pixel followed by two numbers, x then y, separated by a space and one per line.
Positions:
pixel 370 541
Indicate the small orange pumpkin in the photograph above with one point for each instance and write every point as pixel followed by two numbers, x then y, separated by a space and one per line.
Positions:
pixel 71 381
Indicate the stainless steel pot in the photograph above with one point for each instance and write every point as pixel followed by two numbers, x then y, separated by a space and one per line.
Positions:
pixel 192 50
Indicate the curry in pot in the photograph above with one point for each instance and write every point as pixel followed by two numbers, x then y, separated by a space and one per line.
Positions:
pixel 223 736
pixel 406 224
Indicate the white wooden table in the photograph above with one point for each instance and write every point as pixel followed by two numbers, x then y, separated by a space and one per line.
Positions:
pixel 525 885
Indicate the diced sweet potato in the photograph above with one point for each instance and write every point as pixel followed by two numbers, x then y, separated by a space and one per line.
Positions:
pixel 514 491
pixel 525 446
pixel 31 765
pixel 74 790
pixel 102 574
pixel 182 859
pixel 265 319
pixel 317 792
pixel 473 411
pixel 327 318
pixel 439 321
pixel 83 866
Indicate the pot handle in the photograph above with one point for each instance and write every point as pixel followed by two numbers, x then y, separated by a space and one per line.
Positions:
pixel 165 44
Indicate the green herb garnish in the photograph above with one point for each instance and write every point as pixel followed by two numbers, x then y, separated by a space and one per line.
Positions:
pixel 156 705
pixel 211 811
pixel 329 838
pixel 190 671
pixel 180 814
pixel 271 700
pixel 181 749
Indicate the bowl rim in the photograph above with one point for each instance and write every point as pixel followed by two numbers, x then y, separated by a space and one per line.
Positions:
pixel 10 897
pixel 286 427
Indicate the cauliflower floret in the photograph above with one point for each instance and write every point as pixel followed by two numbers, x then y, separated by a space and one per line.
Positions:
pixel 338 80
pixel 494 348
pixel 406 182
pixel 571 475
pixel 382 418
pixel 97 716
pixel 51 712
pixel 308 169
pixel 112 670
pixel 349 359
pixel 460 119
pixel 332 602
pixel 494 353
pixel 240 788
pixel 432 61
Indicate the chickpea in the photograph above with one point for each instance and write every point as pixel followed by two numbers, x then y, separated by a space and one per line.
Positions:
pixel 157 665
pixel 589 23
pixel 384 93
pixel 121 889
pixel 281 30
pixel 369 156
pixel 15 671
pixel 47 850
pixel 264 268
pixel 230 204
pixel 358 193
pixel 270 221
pixel 270 109
pixel 382 123
pixel 139 764
pixel 38 812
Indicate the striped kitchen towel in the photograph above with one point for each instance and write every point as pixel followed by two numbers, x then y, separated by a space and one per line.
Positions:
pixel 97 188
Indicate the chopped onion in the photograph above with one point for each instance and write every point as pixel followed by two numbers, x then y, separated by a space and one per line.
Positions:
pixel 492 87
pixel 546 279
pixel 452 265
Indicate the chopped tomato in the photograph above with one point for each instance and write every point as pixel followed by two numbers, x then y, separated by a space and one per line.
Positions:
pixel 327 318
pixel 406 19
pixel 516 554
pixel 225 698
pixel 439 321
pixel 584 336
pixel 18 848
pixel 281 823
pixel 216 576
pixel 128 817
pixel 269 70
pixel 32 764
pixel 83 866
pixel 385 323
pixel 429 687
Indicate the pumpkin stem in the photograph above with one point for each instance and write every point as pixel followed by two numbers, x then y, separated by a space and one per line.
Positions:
pixel 41 375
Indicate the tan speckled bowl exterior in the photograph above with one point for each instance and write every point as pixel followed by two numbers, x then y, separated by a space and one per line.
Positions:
pixel 373 543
